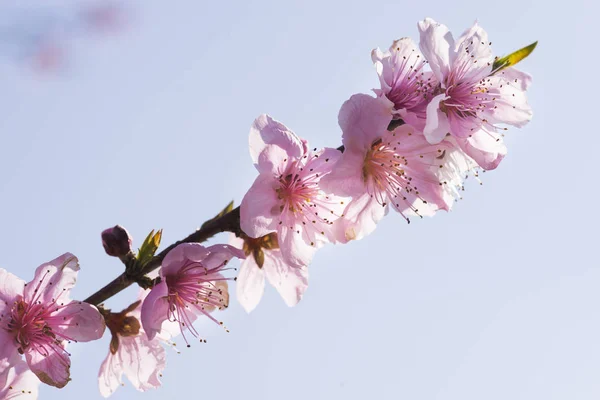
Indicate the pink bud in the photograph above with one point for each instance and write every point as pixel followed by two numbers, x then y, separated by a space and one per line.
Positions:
pixel 116 241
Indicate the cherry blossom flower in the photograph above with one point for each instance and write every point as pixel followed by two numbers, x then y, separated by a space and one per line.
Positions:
pixel 381 168
pixel 191 285
pixel 471 100
pixel 131 352
pixel 17 381
pixel 264 259
pixel 286 197
pixel 37 319
pixel 404 81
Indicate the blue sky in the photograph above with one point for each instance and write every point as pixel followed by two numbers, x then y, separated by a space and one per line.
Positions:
pixel 496 299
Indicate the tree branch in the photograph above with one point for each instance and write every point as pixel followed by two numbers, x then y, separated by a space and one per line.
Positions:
pixel 229 222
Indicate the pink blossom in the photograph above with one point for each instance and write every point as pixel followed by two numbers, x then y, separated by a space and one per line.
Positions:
pixel 471 99
pixel 191 285
pixel 286 197
pixel 404 81
pixel 17 381
pixel 130 352
pixel 37 319
pixel 264 259
pixel 380 168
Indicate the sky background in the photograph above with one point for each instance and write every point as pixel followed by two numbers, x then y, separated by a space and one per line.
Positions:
pixel 148 127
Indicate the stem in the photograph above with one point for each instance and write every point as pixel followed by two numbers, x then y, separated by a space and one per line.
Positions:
pixel 229 222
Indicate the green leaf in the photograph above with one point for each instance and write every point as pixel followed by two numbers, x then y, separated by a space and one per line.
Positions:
pixel 149 247
pixel 513 58
pixel 223 212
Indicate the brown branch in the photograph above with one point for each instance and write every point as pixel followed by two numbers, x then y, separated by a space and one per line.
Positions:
pixel 229 222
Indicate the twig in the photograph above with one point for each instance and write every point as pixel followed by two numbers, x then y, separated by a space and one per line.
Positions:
pixel 229 222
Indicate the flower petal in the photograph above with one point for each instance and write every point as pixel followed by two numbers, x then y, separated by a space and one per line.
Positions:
pixel 250 284
pixel 361 217
pixel 437 125
pixel 473 54
pixel 154 309
pixel 266 130
pixel 109 376
pixel 484 148
pixel 363 118
pixel 10 287
pixel 51 367
pixel 274 160
pixel 516 77
pixel 8 351
pixel 174 258
pixel 220 254
pixel 142 361
pixel 346 177
pixel 78 321
pixel 53 280
pixel 259 207
pixel 18 382
pixel 290 282
pixel 437 44
pixel 293 247
pixel 511 105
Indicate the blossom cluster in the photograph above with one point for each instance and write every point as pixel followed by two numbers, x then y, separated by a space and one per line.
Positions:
pixel 437 117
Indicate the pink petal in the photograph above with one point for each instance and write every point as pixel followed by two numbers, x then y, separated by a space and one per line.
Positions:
pixel 485 149
pixel 461 127
pixel 250 284
pixel 273 160
pixel 143 361
pixel 385 74
pixel 516 77
pixel 290 282
pixel 51 367
pixel 293 247
pixel 362 119
pixel 18 382
pixel 154 309
pixel 259 207
pixel 436 45
pixel 437 125
pixel 479 57
pixel 361 217
pixel 511 105
pixel 109 377
pixel 265 130
pixel 221 253
pixel 78 321
pixel 53 280
pixel 185 251
pixel 10 287
pixel 457 165
pixel 346 177
pixel 8 351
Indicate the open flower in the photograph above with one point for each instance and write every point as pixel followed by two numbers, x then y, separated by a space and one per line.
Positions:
pixel 37 319
pixel 17 381
pixel 404 81
pixel 264 259
pixel 130 352
pixel 471 100
pixel 286 196
pixel 191 285
pixel 381 168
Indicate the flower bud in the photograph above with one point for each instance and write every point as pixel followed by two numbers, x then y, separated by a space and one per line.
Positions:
pixel 116 241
